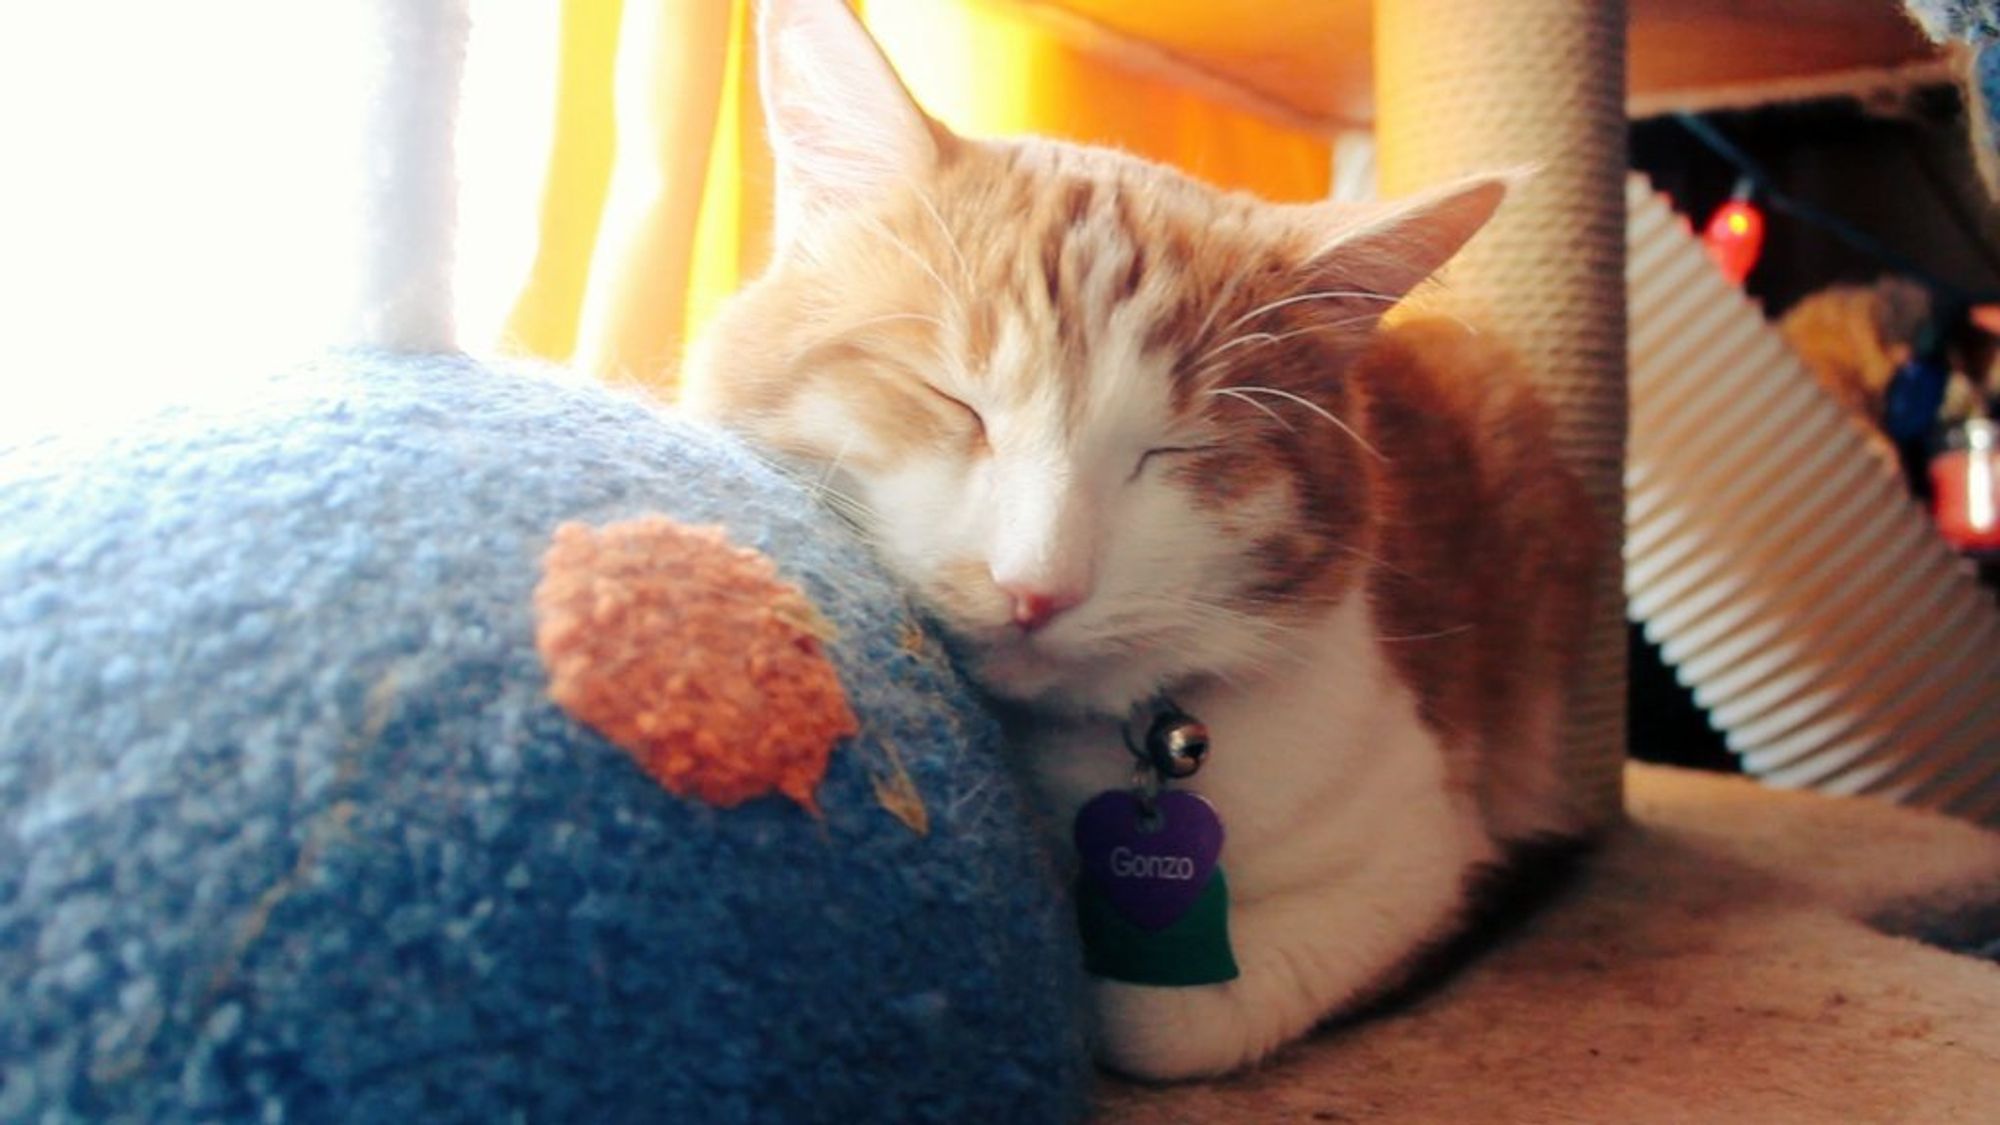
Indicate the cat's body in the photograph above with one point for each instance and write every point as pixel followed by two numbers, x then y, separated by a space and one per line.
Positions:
pixel 1127 435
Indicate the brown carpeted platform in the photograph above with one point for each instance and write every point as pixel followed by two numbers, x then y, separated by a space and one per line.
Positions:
pixel 1715 962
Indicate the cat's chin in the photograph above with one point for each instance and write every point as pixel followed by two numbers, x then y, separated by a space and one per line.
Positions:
pixel 1020 675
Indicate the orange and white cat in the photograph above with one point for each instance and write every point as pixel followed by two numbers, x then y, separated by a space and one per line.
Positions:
pixel 1124 434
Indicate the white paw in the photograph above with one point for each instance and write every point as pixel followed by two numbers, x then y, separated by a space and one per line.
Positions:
pixel 1172 1034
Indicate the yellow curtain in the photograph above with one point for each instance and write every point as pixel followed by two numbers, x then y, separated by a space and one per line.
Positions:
pixel 656 198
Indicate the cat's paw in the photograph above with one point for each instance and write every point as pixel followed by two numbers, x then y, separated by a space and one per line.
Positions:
pixel 1174 1034
pixel 1297 964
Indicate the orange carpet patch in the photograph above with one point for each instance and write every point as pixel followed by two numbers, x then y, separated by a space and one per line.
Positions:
pixel 694 656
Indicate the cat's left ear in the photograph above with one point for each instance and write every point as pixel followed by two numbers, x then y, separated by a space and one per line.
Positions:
pixel 1390 248
pixel 843 129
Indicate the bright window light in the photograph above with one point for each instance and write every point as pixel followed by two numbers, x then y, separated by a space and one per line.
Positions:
pixel 182 206
pixel 178 205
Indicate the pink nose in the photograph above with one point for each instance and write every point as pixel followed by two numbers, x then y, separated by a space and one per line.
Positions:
pixel 1034 608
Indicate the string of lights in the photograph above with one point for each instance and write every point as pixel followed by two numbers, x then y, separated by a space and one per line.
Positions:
pixel 1763 188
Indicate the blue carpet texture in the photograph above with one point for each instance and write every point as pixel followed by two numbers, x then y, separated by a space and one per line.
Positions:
pixel 1975 21
pixel 289 830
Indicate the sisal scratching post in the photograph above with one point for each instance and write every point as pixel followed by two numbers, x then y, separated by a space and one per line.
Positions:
pixel 1471 85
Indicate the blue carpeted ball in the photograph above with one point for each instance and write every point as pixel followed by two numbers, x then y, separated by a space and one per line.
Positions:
pixel 290 831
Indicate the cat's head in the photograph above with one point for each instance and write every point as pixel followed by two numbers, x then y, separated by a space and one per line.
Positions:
pixel 1093 411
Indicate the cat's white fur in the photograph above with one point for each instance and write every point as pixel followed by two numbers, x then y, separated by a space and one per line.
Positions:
pixel 1346 849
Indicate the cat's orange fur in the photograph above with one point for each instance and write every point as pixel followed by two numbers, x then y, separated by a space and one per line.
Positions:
pixel 1250 491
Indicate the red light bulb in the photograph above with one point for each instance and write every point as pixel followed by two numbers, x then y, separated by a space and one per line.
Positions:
pixel 1734 237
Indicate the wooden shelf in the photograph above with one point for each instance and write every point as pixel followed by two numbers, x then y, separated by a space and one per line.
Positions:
pixel 1308 61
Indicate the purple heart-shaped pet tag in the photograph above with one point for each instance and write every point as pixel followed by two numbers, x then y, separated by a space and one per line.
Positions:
pixel 1151 871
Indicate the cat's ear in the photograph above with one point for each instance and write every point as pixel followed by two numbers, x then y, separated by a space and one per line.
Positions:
pixel 843 129
pixel 1390 248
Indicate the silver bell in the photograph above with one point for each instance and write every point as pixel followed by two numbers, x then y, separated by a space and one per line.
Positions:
pixel 1176 744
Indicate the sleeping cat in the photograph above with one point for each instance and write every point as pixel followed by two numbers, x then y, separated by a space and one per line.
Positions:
pixel 1129 436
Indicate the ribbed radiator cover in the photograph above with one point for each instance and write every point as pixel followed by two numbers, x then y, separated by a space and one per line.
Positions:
pixel 1831 634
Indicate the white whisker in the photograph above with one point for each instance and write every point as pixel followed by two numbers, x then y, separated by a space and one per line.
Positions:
pixel 1241 396
pixel 1221 302
pixel 950 240
pixel 860 517
pixel 1261 338
pixel 890 318
pixel 1234 341
pixel 833 466
pixel 1255 642
pixel 876 226
pixel 1316 408
pixel 1438 635
pixel 977 789
pixel 1322 295
pixel 1375 561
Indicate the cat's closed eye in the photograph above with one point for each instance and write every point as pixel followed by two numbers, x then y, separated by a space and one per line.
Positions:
pixel 972 417
pixel 1154 455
